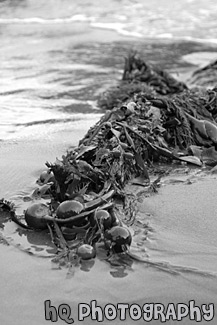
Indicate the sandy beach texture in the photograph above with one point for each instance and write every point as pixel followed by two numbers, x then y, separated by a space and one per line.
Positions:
pixel 181 232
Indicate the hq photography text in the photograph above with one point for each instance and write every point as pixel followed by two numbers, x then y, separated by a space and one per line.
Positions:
pixel 135 312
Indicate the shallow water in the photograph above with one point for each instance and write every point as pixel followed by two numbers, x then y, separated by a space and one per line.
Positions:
pixel 183 19
pixel 55 60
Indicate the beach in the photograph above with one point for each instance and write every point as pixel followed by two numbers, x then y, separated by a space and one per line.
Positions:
pixel 181 223
pixel 50 83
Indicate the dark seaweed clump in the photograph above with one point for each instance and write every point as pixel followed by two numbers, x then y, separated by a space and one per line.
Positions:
pixel 151 117
pixel 139 76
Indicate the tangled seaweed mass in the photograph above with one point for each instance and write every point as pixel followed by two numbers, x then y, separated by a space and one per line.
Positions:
pixel 150 117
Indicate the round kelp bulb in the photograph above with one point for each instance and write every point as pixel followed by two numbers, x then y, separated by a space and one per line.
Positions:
pixel 86 252
pixel 104 218
pixel 35 214
pixel 119 236
pixel 69 209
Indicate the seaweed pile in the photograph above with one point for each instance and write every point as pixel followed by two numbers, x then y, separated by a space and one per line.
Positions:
pixel 139 76
pixel 152 118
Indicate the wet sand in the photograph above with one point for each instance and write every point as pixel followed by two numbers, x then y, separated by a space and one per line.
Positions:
pixel 24 157
pixel 182 225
